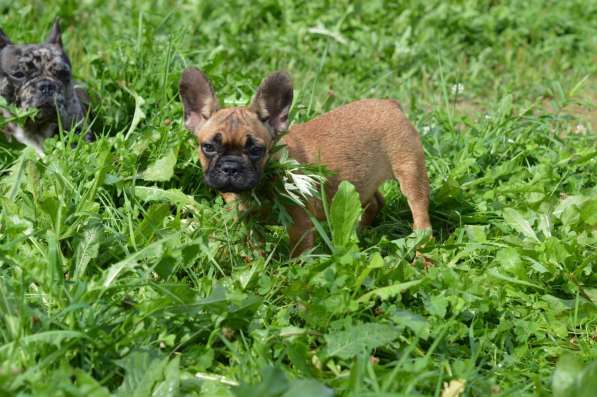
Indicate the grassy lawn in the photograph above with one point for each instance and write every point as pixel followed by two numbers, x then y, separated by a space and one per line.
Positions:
pixel 122 274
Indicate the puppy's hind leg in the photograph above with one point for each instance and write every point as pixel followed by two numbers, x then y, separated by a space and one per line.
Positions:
pixel 300 233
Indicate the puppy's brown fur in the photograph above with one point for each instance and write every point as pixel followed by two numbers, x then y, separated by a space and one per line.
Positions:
pixel 365 142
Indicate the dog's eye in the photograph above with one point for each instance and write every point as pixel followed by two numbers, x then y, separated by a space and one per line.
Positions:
pixel 63 74
pixel 208 148
pixel 256 151
pixel 18 75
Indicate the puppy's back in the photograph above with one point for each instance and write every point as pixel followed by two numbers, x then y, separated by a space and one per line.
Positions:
pixel 360 141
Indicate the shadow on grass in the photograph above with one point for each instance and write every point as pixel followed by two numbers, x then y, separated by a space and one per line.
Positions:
pixel 450 208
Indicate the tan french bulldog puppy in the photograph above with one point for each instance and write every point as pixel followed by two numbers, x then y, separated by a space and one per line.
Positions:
pixel 365 142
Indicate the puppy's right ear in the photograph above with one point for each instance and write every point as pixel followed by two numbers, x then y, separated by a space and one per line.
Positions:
pixel 198 98
pixel 4 40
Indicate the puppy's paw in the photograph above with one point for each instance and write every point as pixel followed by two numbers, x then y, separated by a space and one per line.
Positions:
pixel 426 261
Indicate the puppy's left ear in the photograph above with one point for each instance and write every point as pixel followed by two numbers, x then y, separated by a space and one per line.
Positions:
pixel 272 101
pixel 4 40
pixel 55 36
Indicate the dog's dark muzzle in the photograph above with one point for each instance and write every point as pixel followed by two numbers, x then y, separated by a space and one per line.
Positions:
pixel 45 95
pixel 232 174
pixel 47 88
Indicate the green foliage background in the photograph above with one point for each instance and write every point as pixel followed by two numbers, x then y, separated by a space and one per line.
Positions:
pixel 120 273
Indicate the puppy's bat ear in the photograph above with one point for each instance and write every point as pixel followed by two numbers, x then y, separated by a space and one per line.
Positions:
pixel 273 100
pixel 4 40
pixel 198 98
pixel 55 36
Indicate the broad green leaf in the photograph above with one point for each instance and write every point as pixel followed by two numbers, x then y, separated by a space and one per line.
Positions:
pixel 572 379
pixel 273 384
pixel 564 378
pixel 153 250
pixel 476 233
pixel 494 273
pixel 151 223
pixel 51 337
pixel 588 211
pixel 345 212
pixel 417 323
pixel 545 225
pixel 388 292
pixel 592 294
pixel 169 387
pixel 298 354
pixel 215 389
pixel 249 274
pixel 437 305
pixel 89 386
pixel 558 305
pixel 510 261
pixel 162 169
pixel 143 369
pixel 291 331
pixel 173 196
pixel 358 339
pixel 567 203
pixel 587 380
pixel 86 250
pixel 519 223
pixel 509 257
pixel 308 388
pixel 375 263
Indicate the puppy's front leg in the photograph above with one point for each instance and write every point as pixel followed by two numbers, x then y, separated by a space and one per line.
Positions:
pixel 234 198
pixel 34 142
pixel 230 197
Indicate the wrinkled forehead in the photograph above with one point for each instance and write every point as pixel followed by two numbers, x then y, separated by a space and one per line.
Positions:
pixel 33 55
pixel 234 126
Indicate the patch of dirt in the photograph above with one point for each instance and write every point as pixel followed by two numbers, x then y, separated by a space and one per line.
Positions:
pixel 584 113
pixel 583 109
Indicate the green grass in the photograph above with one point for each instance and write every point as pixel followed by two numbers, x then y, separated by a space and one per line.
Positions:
pixel 118 281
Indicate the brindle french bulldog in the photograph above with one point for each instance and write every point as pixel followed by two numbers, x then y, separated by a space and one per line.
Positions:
pixel 39 76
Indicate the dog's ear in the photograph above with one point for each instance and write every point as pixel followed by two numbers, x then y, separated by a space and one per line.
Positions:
pixel 55 36
pixel 198 98
pixel 4 40
pixel 272 101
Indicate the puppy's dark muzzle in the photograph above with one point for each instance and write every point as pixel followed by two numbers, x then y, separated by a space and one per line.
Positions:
pixel 47 88
pixel 232 174
pixel 231 169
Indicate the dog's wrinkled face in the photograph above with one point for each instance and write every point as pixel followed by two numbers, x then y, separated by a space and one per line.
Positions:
pixel 37 76
pixel 234 143
pixel 233 150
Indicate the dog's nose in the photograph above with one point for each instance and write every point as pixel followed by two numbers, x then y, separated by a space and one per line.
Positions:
pixel 230 168
pixel 46 87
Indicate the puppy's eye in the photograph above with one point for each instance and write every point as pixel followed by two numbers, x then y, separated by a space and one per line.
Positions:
pixel 63 74
pixel 256 151
pixel 208 148
pixel 18 75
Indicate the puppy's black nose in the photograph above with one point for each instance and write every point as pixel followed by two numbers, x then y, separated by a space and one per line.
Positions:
pixel 46 87
pixel 230 168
